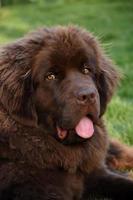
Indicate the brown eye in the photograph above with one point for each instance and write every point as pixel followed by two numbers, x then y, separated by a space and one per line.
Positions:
pixel 51 77
pixel 86 70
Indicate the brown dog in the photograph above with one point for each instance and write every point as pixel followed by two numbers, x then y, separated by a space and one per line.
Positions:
pixel 55 85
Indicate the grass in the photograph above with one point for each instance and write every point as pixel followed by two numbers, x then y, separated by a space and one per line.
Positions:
pixel 111 21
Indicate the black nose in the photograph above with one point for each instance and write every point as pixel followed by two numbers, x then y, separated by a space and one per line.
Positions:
pixel 85 96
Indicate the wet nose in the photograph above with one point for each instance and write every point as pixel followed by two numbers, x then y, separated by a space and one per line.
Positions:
pixel 86 96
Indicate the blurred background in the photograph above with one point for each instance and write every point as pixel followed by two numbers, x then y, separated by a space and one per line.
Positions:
pixel 110 20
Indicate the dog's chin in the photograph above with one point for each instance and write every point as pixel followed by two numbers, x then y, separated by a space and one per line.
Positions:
pixel 71 138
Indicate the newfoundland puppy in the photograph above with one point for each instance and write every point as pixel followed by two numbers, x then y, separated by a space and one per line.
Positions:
pixel 55 85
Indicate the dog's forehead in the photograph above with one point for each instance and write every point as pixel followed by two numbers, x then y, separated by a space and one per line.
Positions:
pixel 71 44
pixel 69 48
pixel 65 49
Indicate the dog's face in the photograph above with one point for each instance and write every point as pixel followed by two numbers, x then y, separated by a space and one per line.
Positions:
pixel 71 82
pixel 65 90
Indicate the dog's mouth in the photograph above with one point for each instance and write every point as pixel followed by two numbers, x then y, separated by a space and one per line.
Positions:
pixel 84 129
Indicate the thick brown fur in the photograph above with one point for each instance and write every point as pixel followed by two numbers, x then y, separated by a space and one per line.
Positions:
pixel 120 156
pixel 34 162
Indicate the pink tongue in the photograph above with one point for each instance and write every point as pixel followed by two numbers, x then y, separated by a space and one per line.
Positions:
pixel 85 128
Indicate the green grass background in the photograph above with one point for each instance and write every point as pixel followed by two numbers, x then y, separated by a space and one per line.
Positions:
pixel 111 21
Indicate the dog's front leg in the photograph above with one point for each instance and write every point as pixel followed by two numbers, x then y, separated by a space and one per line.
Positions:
pixel 104 183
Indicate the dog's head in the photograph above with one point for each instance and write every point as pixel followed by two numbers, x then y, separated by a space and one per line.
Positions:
pixel 58 79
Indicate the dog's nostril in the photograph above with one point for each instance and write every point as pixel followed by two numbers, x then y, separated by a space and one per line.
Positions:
pixel 92 95
pixel 83 98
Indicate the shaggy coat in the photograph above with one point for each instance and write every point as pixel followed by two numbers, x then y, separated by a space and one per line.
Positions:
pixel 50 80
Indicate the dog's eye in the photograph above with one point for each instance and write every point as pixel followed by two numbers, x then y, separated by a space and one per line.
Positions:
pixel 51 76
pixel 86 70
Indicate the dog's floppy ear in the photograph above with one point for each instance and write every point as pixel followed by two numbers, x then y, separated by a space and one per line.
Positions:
pixel 24 109
pixel 108 76
pixel 16 96
pixel 108 79
pixel 16 91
